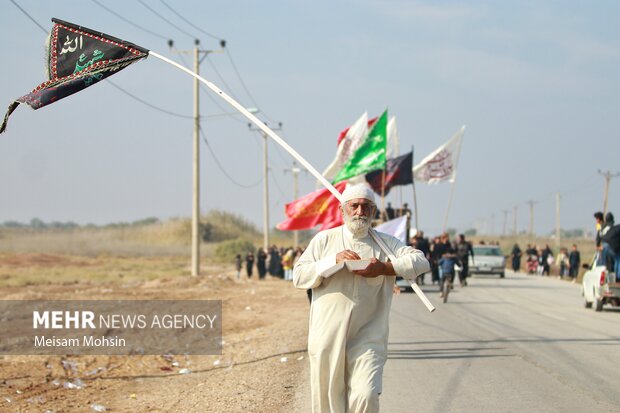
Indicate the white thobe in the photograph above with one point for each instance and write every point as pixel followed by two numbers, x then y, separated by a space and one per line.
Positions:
pixel 349 318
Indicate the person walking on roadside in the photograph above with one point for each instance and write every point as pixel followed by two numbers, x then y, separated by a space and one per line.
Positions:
pixel 463 251
pixel 574 260
pixel 249 263
pixel 238 265
pixel 516 258
pixel 261 263
pixel 349 315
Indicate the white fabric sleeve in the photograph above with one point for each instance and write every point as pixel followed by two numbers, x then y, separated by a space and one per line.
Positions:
pixel 312 267
pixel 409 263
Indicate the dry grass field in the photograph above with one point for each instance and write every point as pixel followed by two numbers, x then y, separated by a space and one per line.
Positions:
pixel 262 364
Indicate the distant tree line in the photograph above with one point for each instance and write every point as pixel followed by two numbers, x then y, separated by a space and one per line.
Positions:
pixel 39 224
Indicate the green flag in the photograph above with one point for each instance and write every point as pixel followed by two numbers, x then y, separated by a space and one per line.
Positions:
pixel 370 155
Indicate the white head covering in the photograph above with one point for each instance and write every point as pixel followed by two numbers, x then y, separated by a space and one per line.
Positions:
pixel 358 191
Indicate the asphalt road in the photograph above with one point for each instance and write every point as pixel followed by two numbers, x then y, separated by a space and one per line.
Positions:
pixel 519 344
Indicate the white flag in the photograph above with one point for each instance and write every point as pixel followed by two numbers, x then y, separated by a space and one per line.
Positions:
pixel 352 140
pixel 396 227
pixel 392 139
pixel 440 165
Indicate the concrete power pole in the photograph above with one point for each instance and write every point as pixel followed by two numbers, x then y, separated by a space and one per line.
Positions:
pixel 505 221
pixel 196 52
pixel 514 220
pixel 558 233
pixel 531 227
pixel 295 171
pixel 608 175
pixel 265 183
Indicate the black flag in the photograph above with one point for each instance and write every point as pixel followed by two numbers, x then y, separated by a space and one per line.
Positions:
pixel 77 58
pixel 398 171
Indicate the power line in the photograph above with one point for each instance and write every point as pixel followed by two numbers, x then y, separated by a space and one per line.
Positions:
pixel 29 16
pixel 166 20
pixel 178 115
pixel 190 23
pixel 221 168
pixel 217 72
pixel 127 20
pixel 232 62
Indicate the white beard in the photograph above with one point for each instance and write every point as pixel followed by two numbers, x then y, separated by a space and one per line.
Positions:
pixel 358 225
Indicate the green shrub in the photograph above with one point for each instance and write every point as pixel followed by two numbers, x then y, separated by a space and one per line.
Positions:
pixel 227 250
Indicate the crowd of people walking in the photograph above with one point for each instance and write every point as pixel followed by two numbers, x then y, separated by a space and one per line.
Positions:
pixel 276 261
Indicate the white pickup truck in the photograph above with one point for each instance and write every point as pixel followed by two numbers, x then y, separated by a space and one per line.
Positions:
pixel 599 287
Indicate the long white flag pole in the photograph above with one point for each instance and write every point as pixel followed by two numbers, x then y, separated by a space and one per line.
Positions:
pixel 292 152
pixel 456 162
pixel 255 121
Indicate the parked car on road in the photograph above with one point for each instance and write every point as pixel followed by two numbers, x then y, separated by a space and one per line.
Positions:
pixel 487 259
pixel 599 286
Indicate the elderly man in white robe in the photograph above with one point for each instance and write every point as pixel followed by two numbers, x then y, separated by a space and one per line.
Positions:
pixel 349 316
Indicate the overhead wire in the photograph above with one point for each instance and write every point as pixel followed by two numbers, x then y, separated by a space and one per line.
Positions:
pixel 228 53
pixel 166 20
pixel 190 23
pixel 222 169
pixel 127 20
pixel 29 16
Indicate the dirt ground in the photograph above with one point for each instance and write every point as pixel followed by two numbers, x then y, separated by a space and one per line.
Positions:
pixel 262 367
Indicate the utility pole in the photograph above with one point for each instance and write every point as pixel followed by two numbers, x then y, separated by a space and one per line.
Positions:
pixel 531 228
pixel 493 224
pixel 295 171
pixel 608 175
pixel 514 220
pixel 196 52
pixel 505 211
pixel 265 183
pixel 557 222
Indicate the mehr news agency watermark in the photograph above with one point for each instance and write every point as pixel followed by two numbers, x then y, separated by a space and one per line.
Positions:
pixel 111 327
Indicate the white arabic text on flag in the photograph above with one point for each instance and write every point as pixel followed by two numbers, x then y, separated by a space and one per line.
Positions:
pixel 441 164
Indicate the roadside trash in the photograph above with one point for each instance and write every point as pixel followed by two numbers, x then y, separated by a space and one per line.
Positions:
pixel 185 371
pixel 248 308
pixel 36 399
pixel 75 384
pixel 18 391
pixel 8 399
pixel 300 358
pixel 216 363
pixel 95 371
pixel 175 364
pixel 132 396
pixel 56 382
pixel 98 407
pixel 283 359
pixel 69 365
pixel 166 368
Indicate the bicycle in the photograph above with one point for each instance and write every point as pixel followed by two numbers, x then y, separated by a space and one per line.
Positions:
pixel 446 286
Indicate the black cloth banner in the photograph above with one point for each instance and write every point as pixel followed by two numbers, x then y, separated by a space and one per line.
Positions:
pixel 77 58
pixel 398 171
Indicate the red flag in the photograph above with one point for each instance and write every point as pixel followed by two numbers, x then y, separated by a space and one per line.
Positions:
pixel 318 207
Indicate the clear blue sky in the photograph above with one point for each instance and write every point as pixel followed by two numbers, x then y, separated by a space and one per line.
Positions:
pixel 536 83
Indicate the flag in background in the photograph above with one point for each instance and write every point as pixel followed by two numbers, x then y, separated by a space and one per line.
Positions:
pixel 371 153
pixel 397 172
pixel 396 227
pixel 352 138
pixel 318 207
pixel 440 165
pixel 344 133
pixel 77 58
pixel 392 139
